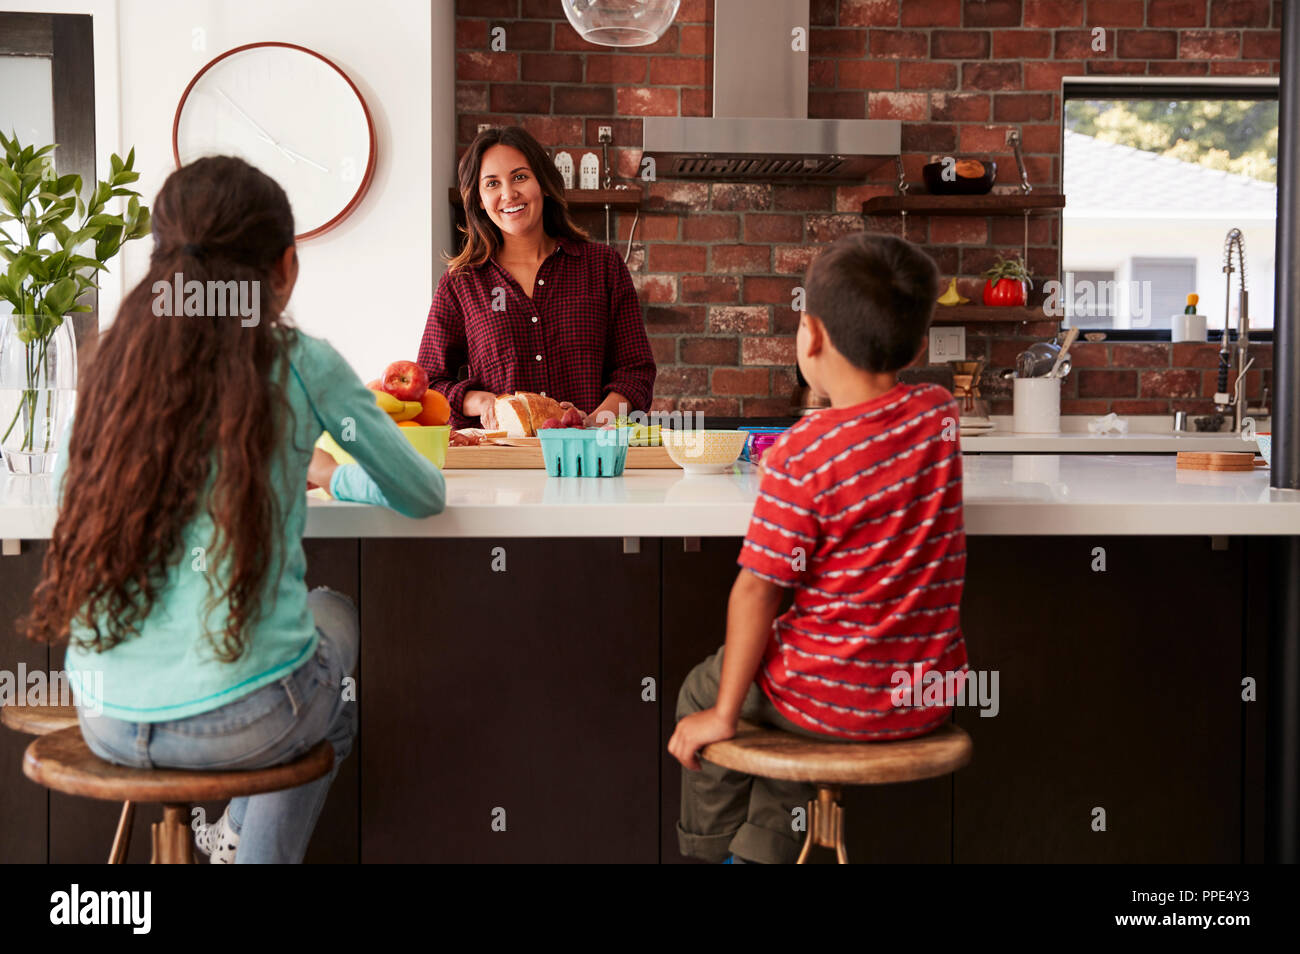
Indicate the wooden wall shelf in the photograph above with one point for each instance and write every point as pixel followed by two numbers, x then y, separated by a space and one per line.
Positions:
pixel 621 200
pixel 975 314
pixel 924 204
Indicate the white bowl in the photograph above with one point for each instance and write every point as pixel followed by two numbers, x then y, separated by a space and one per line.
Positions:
pixel 702 451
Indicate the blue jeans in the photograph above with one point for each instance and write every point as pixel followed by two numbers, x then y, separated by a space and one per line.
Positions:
pixel 277 723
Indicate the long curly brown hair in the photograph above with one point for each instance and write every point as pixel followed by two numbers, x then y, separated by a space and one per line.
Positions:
pixel 482 237
pixel 167 404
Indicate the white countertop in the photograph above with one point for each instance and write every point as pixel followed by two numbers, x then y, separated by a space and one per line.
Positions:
pixel 1021 494
pixel 1000 441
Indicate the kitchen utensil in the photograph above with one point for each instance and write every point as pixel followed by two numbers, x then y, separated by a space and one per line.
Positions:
pixel 1036 405
pixel 704 452
pixel 1037 360
pixel 1070 337
pixel 966 384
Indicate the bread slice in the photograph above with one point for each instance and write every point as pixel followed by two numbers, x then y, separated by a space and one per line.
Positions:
pixel 512 416
pixel 540 408
pixel 519 414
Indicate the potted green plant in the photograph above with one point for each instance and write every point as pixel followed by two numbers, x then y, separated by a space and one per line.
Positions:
pixel 1007 282
pixel 53 245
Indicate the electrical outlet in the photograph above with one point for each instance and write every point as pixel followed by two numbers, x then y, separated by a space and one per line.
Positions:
pixel 483 126
pixel 947 343
pixel 604 134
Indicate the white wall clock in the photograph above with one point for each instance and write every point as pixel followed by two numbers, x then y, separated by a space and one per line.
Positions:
pixel 291 113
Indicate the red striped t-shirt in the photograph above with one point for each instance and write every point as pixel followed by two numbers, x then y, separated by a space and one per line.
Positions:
pixel 859 508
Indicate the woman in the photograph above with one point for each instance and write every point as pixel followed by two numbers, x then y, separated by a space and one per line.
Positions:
pixel 176 565
pixel 530 304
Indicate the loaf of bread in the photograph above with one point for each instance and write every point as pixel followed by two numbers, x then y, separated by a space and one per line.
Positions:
pixel 519 414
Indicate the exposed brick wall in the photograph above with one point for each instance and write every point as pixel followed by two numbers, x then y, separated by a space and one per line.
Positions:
pixel 715 263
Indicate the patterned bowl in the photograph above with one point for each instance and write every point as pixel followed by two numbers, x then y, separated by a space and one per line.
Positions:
pixel 704 452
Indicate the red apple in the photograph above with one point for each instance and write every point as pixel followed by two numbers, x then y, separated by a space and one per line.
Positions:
pixel 405 380
pixel 572 418
pixel 549 422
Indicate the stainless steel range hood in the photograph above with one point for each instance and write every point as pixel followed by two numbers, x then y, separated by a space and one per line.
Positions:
pixel 760 127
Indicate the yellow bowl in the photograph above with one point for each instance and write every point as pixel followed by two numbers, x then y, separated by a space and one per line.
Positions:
pixel 429 442
pixel 704 452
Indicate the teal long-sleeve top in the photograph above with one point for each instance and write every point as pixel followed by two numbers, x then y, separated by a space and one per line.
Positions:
pixel 167 671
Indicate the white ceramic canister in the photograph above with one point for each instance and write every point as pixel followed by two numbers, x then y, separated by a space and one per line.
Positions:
pixel 1037 406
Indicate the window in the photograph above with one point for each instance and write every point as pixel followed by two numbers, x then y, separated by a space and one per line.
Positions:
pixel 47 94
pixel 1090 294
pixel 1155 174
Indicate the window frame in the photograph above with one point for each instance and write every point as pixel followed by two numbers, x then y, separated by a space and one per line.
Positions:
pixel 1154 87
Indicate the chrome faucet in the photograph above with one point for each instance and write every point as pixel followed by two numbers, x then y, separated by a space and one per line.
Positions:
pixel 1237 400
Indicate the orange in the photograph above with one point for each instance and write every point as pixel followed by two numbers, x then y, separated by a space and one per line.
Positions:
pixel 407 424
pixel 436 409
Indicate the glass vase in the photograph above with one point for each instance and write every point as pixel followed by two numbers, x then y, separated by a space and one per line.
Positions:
pixel 38 389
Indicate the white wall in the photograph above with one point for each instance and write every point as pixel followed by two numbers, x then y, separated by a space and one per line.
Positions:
pixel 1098 242
pixel 366 285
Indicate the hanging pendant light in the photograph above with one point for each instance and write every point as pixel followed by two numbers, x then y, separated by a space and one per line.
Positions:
pixel 621 22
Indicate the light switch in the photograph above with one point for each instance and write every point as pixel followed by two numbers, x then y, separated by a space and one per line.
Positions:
pixel 947 343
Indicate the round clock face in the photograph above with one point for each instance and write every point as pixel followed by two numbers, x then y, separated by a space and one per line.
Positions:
pixel 291 113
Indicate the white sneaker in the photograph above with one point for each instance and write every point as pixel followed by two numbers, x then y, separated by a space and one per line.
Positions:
pixel 218 841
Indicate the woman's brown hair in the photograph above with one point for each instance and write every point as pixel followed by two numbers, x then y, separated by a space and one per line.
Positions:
pixel 483 238
pixel 166 405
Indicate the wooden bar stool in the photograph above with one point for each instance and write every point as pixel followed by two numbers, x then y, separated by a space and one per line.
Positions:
pixel 42 720
pixel 771 753
pixel 62 761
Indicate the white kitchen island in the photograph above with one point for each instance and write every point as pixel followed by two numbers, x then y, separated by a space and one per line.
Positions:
pixel 1018 494
pixel 525 648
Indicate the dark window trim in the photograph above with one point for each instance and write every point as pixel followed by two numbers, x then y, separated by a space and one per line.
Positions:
pixel 1257 336
pixel 1256 87
pixel 67 40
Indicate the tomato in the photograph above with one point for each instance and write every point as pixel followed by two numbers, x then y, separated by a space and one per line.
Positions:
pixel 1005 292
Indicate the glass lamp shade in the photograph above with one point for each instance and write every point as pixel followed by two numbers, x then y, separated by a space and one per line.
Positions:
pixel 621 22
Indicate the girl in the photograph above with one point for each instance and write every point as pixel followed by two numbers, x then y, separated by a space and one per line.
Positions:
pixel 175 566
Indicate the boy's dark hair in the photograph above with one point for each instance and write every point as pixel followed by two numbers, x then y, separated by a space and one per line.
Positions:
pixel 875 294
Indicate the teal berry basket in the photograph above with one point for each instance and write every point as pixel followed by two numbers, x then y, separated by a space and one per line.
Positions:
pixel 584 452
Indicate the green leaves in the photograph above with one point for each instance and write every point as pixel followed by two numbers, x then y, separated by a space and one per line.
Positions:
pixel 41 283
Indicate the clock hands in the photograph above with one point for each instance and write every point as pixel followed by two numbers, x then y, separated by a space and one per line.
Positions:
pixel 299 155
pixel 288 153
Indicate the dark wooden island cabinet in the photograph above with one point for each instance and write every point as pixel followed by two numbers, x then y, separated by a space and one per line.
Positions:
pixel 517 696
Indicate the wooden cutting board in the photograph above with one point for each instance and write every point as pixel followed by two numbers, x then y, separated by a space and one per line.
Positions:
pixel 510 457
pixel 1215 460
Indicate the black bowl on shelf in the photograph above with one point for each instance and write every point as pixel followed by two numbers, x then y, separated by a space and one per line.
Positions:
pixel 932 173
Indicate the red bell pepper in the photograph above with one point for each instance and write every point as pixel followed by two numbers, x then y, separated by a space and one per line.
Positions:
pixel 1006 292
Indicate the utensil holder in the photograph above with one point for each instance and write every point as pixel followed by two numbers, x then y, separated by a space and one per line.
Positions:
pixel 1037 406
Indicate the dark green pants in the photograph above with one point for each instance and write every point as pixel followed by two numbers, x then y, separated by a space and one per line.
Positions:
pixel 725 812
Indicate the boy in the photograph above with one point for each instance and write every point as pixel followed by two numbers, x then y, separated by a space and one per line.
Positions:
pixel 859 510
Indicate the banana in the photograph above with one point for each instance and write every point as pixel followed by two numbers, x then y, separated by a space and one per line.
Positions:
pixel 408 410
pixel 950 297
pixel 387 402
pixel 398 410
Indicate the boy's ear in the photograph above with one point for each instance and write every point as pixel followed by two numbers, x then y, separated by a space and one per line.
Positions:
pixel 816 332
